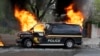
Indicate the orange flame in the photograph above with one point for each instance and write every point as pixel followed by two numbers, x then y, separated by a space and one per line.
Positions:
pixel 27 20
pixel 39 28
pixel 74 17
pixel 1 44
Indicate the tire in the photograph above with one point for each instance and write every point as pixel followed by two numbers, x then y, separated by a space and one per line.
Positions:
pixel 69 43
pixel 27 43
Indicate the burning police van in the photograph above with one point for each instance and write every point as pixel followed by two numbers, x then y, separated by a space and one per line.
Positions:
pixel 54 34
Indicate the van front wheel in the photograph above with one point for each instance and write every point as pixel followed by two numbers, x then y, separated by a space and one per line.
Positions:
pixel 27 43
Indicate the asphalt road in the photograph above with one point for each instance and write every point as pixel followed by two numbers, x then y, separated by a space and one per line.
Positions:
pixel 41 51
pixel 17 51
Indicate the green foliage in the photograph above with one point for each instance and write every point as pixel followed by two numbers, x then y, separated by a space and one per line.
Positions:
pixel 99 24
pixel 5 30
pixel 97 5
pixel 7 21
pixel 96 13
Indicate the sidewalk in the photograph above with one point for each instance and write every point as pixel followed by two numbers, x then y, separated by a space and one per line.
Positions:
pixel 91 42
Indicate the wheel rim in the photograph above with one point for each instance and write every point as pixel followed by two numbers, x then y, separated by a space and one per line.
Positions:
pixel 69 44
pixel 28 43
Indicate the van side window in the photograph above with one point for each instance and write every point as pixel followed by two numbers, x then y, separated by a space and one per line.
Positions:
pixel 65 29
pixel 60 29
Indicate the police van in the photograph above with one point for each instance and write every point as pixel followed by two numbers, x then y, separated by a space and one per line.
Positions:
pixel 56 34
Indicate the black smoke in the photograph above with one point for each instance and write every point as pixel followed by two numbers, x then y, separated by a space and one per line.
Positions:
pixel 61 4
pixel 20 3
pixel 85 6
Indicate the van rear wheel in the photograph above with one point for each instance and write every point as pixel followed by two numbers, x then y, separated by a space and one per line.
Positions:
pixel 69 43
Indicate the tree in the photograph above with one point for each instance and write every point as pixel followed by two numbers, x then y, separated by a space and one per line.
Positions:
pixel 96 12
pixel 38 5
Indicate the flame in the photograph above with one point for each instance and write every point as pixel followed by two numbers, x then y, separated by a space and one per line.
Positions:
pixel 75 17
pixel 1 44
pixel 39 28
pixel 27 20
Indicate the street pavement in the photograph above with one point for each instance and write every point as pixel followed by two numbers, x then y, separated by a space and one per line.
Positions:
pixel 89 52
pixel 77 51
pixel 15 51
pixel 91 42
